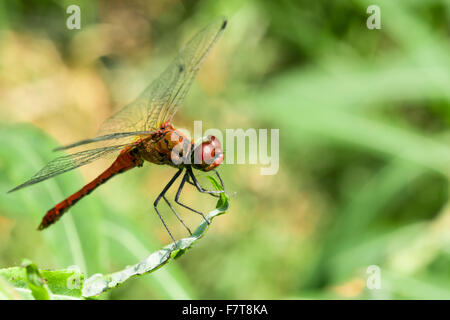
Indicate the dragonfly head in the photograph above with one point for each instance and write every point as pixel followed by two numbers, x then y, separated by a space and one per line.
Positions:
pixel 208 155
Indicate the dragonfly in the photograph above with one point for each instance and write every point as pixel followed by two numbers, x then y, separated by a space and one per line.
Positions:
pixel 143 131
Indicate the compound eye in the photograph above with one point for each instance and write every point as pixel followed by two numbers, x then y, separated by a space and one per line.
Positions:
pixel 215 142
pixel 209 154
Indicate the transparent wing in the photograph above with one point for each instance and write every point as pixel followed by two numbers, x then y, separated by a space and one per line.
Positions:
pixel 161 99
pixel 115 136
pixel 190 59
pixel 69 162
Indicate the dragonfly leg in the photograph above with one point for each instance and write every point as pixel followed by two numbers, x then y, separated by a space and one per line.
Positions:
pixel 220 179
pixel 161 195
pixel 199 187
pixel 177 197
pixel 176 214
pixel 188 180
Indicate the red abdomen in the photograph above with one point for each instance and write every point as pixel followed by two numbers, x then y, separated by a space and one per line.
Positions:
pixel 127 160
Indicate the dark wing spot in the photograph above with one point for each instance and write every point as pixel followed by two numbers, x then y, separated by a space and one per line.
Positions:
pixel 224 24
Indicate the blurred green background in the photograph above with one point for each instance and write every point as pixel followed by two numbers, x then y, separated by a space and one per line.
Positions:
pixel 364 145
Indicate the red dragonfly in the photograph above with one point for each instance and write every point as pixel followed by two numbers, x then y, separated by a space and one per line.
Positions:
pixel 142 131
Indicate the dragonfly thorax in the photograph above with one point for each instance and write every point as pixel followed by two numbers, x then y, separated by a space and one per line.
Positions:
pixel 166 146
pixel 172 147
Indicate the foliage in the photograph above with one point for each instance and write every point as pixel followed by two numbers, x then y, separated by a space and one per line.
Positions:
pixel 70 283
pixel 31 283
pixel 364 145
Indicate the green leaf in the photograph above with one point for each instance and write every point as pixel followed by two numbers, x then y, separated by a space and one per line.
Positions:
pixel 7 291
pixel 99 283
pixel 31 283
pixel 38 288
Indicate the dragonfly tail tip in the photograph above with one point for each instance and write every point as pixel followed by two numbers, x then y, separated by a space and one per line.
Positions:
pixel 12 190
pixel 224 24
